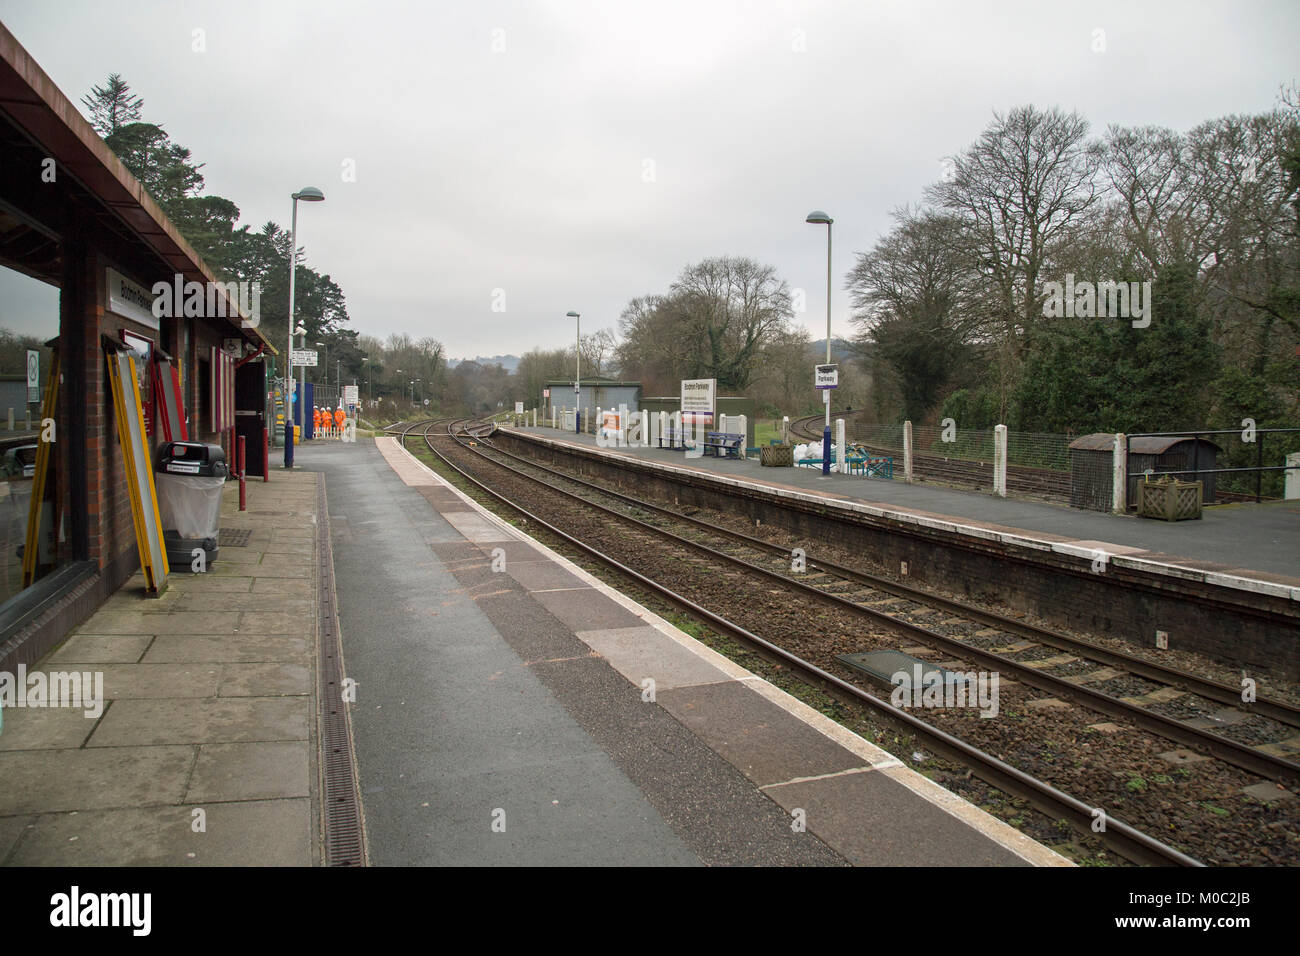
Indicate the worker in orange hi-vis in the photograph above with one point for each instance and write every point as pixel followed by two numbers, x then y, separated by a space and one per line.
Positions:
pixel 339 416
pixel 315 420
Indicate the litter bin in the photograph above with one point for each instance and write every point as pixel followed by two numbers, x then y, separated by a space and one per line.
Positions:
pixel 188 477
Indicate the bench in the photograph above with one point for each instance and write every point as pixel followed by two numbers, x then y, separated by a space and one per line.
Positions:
pixel 675 437
pixel 723 444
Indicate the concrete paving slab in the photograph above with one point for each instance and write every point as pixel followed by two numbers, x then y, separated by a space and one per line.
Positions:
pixel 763 741
pixel 11 829
pixel 266 770
pixel 101 649
pixel 276 622
pixel 643 652
pixel 122 681
pixel 267 679
pixel 230 647
pixel 875 821
pixel 586 610
pixel 43 781
pixel 543 576
pixel 249 833
pixel 163 622
pixel 209 720
pixel 45 728
pixel 475 527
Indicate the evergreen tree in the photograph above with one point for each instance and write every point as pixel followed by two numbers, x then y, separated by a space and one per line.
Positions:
pixel 112 105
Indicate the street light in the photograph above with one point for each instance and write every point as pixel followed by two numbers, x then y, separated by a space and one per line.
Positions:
pixel 818 217
pixel 370 395
pixel 327 361
pixel 577 382
pixel 306 194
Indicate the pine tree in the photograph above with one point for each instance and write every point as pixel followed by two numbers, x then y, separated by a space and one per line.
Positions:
pixel 112 105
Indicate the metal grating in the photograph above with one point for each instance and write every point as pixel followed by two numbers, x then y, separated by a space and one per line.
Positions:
pixel 344 834
pixel 234 537
pixel 884 665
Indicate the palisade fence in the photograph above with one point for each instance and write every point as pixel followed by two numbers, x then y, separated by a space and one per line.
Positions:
pixel 1024 449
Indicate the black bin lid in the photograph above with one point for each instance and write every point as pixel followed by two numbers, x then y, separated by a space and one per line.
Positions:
pixel 191 458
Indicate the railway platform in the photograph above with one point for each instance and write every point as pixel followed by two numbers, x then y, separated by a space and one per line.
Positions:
pixel 513 709
pixel 201 747
pixel 1242 542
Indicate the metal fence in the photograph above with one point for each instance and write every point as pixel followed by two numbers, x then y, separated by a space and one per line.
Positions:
pixel 1028 449
pixel 1252 460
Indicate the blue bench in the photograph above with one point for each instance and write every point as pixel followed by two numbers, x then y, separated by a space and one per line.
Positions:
pixel 723 444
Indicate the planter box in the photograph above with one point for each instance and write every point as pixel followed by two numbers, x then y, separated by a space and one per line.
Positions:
pixel 777 456
pixel 1169 500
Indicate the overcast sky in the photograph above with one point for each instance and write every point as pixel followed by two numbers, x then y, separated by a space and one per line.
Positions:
pixel 575 155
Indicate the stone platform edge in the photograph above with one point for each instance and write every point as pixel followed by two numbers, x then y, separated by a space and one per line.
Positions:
pixel 1003 834
pixel 1114 556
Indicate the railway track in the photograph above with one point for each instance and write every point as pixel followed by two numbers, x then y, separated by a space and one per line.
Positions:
pixel 977 475
pixel 1126 840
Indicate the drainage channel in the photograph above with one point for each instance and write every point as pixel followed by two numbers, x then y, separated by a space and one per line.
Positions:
pixel 345 843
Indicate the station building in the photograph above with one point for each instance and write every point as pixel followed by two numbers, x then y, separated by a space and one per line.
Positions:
pixel 74 219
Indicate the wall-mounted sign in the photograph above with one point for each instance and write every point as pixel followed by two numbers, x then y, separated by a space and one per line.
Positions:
pixel 130 300
pixel 827 376
pixel 33 376
pixel 699 400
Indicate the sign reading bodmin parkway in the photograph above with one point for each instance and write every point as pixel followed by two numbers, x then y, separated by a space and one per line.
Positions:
pixel 827 376
pixel 699 399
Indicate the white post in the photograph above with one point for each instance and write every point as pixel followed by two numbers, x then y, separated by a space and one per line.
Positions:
pixel 1000 460
pixel 1119 475
pixel 744 433
pixel 663 427
pixel 11 419
pixel 907 451
pixel 1291 485
pixel 841 453
pixel 785 428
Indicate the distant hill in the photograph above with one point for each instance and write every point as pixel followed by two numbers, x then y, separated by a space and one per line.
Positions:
pixel 508 362
pixel 841 350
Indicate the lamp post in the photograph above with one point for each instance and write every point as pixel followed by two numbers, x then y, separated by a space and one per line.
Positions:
pixel 327 361
pixel 818 217
pixel 577 371
pixel 306 194
pixel 370 393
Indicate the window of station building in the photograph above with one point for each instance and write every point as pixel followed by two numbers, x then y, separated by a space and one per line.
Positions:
pixel 29 329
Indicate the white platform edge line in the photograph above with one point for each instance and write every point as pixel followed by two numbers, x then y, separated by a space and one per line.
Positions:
pixel 1234 581
pixel 1003 834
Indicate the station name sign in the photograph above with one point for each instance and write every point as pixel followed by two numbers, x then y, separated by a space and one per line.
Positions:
pixel 130 300
pixel 827 376
pixel 699 400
